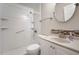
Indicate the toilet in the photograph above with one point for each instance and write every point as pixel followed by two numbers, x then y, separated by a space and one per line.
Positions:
pixel 33 49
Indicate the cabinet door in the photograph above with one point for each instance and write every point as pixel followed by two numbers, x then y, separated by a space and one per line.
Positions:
pixel 47 48
pixel 64 51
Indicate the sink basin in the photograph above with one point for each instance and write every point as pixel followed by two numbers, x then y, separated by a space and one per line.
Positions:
pixel 62 40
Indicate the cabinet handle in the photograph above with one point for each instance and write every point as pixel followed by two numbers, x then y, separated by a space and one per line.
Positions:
pixel 52 47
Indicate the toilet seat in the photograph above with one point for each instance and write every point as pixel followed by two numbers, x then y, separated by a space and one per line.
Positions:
pixel 33 49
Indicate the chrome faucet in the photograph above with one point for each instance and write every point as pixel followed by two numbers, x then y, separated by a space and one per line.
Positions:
pixel 71 37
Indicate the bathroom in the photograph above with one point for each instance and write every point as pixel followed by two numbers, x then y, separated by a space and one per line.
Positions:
pixel 39 28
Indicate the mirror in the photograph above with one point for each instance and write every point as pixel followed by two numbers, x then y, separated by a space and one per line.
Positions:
pixel 64 11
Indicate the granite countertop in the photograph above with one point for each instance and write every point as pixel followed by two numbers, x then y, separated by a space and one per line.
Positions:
pixel 74 45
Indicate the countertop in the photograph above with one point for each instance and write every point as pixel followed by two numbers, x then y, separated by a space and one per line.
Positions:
pixel 74 45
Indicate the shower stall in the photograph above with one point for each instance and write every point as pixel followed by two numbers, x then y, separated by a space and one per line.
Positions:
pixel 18 28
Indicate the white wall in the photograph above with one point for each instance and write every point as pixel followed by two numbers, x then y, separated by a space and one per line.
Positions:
pixel 36 18
pixel 0 30
pixel 0 41
pixel 35 6
pixel 18 19
pixel 0 38
pixel 47 10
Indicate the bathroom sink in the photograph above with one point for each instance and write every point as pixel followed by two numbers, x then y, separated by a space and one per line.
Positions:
pixel 62 40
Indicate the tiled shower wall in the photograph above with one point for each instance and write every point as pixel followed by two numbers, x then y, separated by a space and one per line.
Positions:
pixel 18 25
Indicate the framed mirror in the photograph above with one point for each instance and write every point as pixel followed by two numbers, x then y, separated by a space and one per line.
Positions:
pixel 64 11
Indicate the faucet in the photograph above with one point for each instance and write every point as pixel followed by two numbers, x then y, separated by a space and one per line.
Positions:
pixel 71 36
pixel 61 34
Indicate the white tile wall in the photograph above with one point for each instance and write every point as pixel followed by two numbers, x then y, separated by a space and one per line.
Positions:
pixel 17 21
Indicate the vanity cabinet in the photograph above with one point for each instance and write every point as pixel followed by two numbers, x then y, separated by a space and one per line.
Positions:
pixel 64 51
pixel 49 48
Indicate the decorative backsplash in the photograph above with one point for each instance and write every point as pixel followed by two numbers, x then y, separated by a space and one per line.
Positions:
pixel 66 32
